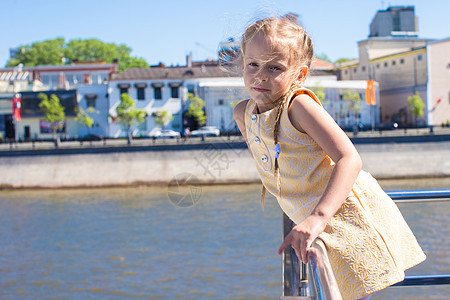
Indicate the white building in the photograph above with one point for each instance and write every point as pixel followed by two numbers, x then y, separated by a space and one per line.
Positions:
pixel 76 84
pixel 166 88
pixel 93 99
pixel 334 102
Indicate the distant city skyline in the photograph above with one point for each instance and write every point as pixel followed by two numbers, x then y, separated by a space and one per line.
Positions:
pixel 168 31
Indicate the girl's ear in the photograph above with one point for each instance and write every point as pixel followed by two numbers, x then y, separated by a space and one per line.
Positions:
pixel 303 73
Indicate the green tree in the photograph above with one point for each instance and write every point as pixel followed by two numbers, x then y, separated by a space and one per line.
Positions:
pixel 58 52
pixel 128 115
pixel 234 103
pixel 416 106
pixel 318 90
pixel 341 60
pixel 84 117
pixel 93 49
pixel 323 57
pixel 49 52
pixel 53 112
pixel 195 110
pixel 162 118
pixel 354 103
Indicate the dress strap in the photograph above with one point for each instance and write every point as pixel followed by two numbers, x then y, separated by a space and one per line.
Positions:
pixel 305 91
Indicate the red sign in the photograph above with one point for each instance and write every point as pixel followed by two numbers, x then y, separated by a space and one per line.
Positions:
pixel 16 105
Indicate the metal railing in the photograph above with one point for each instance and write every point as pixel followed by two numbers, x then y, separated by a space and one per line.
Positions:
pixel 307 281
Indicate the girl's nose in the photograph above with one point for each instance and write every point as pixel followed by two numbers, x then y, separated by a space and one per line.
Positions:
pixel 261 75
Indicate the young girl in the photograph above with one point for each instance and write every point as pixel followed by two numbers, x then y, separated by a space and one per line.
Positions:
pixel 313 169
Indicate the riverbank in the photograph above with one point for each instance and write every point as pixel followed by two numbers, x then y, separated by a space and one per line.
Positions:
pixel 222 160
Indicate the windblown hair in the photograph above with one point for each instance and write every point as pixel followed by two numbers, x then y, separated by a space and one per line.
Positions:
pixel 292 40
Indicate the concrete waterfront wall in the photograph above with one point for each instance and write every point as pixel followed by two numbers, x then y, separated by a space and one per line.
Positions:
pixel 207 163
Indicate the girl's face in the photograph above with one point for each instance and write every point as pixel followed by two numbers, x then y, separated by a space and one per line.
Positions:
pixel 267 73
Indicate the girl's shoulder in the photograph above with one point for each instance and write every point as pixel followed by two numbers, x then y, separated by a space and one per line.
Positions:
pixel 305 110
pixel 239 116
pixel 239 110
pixel 306 95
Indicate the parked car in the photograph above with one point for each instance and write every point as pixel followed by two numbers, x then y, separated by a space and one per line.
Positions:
pixel 206 131
pixel 164 133
pixel 387 126
pixel 91 137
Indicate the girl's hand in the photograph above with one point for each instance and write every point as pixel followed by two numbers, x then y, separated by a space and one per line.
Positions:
pixel 302 236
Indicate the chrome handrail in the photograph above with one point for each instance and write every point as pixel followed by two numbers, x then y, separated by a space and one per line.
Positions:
pixel 420 195
pixel 415 280
pixel 314 280
pixel 323 280
pixel 304 282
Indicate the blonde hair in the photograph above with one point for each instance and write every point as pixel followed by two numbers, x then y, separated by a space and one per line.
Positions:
pixel 282 33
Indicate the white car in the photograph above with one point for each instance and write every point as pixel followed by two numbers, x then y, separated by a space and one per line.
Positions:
pixel 164 133
pixel 206 131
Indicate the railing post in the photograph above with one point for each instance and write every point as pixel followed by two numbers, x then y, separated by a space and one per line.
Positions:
pixel 315 282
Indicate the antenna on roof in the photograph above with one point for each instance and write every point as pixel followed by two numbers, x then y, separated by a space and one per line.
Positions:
pixel 206 48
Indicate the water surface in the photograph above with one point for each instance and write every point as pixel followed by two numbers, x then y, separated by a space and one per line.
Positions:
pixel 126 243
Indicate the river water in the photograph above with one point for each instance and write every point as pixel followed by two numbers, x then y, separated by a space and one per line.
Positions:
pixel 147 242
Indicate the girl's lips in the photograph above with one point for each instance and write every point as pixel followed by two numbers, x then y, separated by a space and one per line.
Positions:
pixel 261 90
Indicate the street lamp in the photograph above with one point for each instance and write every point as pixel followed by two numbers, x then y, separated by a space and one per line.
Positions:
pixel 16 102
pixel 371 105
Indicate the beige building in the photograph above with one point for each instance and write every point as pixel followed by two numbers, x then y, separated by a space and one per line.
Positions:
pixel 403 65
pixel 400 68
pixel 438 84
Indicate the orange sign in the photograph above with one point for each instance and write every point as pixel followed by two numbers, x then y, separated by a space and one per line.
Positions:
pixel 370 93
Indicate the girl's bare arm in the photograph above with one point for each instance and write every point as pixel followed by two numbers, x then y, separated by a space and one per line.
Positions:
pixel 309 117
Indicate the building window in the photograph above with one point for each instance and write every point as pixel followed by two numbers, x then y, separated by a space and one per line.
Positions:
pixel 158 93
pixel 419 57
pixel 354 70
pixel 49 79
pixel 191 89
pixel 174 92
pixel 46 127
pixel 175 89
pixel 346 72
pixel 402 61
pixel 220 101
pixel 91 100
pixel 140 87
pixel 157 90
pixel 140 93
pixel 123 88
pixel 385 64
pixel 393 62
pixel 87 79
pixel 378 66
pixel 363 68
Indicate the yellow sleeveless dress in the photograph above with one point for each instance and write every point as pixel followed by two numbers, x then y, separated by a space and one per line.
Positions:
pixel 368 242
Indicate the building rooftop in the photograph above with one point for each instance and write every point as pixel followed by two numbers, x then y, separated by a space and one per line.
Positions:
pixel 211 69
pixel 172 73
pixel 318 64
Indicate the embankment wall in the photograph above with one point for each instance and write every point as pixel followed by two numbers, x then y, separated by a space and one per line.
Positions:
pixel 207 163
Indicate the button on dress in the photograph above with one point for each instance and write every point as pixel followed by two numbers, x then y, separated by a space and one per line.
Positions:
pixel 368 242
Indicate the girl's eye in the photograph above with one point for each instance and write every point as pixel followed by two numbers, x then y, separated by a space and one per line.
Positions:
pixel 275 68
pixel 253 64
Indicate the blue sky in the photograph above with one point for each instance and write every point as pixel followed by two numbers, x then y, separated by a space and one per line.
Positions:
pixel 167 30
